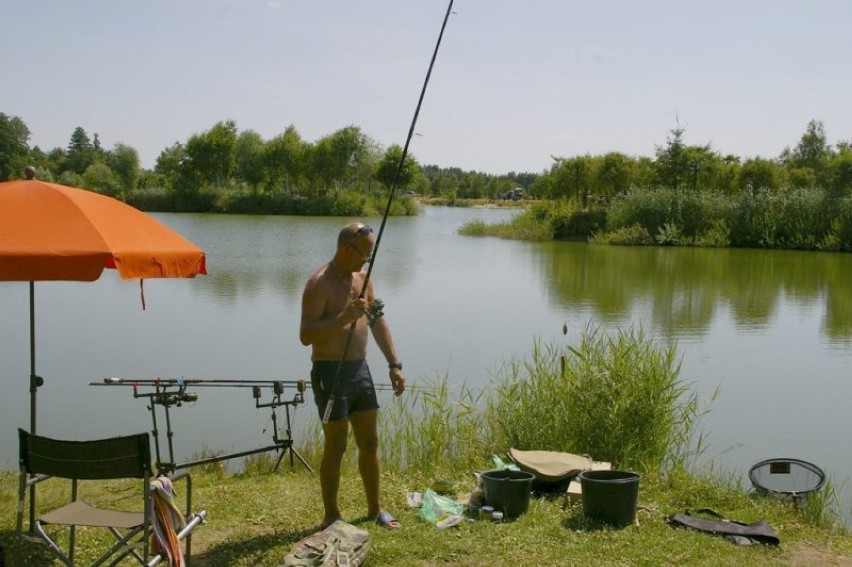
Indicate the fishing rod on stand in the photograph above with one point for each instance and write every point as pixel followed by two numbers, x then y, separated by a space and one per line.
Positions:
pixel 392 191
pixel 168 393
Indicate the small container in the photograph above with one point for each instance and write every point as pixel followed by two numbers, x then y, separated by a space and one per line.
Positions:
pixel 471 511
pixel 497 517
pixel 477 498
pixel 485 512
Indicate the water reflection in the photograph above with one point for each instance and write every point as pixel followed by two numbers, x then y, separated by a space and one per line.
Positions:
pixel 685 289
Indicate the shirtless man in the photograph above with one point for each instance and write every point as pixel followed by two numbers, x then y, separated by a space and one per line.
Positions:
pixel 330 305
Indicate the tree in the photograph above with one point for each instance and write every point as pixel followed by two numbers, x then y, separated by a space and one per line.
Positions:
pixel 210 156
pixel 170 160
pixel 249 158
pixel 839 169
pixel 102 179
pixel 614 174
pixel 123 160
pixel 285 157
pixel 760 173
pixel 81 152
pixel 573 177
pixel 673 166
pixel 806 163
pixel 813 150
pixel 336 158
pixel 55 158
pixel 14 149
pixel 678 165
pixel 80 141
pixel 386 170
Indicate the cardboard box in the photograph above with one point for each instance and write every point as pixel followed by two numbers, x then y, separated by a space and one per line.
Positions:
pixel 575 489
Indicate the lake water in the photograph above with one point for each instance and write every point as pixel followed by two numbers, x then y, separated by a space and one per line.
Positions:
pixel 771 329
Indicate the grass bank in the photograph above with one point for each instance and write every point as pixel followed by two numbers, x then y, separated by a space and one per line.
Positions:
pixel 615 396
pixel 255 518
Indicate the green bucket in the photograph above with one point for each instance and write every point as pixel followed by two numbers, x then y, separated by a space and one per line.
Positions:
pixel 507 491
pixel 610 496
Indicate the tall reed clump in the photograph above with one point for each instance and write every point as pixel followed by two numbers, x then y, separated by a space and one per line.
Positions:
pixel 672 216
pixel 805 219
pixel 616 397
pixel 797 219
pixel 564 219
pixel 433 428
pixel 430 428
pixel 530 224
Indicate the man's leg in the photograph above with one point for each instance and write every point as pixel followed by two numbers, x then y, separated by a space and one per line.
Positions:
pixel 332 455
pixel 365 431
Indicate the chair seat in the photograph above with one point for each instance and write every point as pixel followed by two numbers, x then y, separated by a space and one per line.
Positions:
pixel 80 513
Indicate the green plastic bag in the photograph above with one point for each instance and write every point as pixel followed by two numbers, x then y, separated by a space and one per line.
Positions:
pixel 436 507
pixel 501 464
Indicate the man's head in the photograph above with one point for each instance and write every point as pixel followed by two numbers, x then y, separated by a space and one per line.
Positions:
pixel 356 242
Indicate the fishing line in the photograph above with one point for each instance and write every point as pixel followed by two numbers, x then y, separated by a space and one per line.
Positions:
pixel 392 191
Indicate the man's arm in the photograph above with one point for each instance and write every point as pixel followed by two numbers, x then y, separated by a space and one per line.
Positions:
pixel 384 340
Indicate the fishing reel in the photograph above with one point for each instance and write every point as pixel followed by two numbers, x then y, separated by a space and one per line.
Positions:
pixel 375 312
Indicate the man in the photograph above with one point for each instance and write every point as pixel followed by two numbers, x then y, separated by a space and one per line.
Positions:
pixel 340 376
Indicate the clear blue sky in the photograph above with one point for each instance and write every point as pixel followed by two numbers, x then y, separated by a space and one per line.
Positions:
pixel 514 84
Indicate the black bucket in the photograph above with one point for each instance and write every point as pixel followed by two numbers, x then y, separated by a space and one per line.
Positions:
pixel 610 496
pixel 507 491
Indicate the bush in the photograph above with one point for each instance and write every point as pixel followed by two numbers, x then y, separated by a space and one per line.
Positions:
pixel 614 397
pixel 635 235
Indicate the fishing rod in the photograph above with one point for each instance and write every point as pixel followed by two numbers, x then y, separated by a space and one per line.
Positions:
pixel 392 191
pixel 276 385
pixel 201 382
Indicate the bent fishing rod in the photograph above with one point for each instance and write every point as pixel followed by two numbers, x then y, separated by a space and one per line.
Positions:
pixel 392 191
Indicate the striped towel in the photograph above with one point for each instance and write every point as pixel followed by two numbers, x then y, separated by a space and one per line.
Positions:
pixel 166 520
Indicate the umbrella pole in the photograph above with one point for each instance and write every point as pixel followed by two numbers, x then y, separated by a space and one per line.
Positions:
pixel 34 380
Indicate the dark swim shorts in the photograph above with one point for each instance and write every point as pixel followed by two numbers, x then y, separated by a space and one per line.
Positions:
pixel 355 390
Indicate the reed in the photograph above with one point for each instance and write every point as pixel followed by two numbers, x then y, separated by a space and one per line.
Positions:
pixel 434 428
pixel 616 397
pixel 805 219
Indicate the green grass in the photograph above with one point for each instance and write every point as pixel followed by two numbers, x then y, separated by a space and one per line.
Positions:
pixel 255 518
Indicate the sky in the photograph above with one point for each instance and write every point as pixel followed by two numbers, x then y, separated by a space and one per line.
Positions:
pixel 515 84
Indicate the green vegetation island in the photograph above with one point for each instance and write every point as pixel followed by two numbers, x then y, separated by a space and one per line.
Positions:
pixel 686 195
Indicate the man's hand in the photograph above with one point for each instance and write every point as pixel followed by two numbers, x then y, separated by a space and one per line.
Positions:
pixel 356 309
pixel 397 379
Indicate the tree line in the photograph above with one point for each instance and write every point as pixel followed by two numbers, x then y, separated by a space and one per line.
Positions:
pixel 225 169
pixel 347 172
pixel 811 163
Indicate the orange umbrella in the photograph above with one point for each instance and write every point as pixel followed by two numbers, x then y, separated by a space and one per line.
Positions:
pixel 54 232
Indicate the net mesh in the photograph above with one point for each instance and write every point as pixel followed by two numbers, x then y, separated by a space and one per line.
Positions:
pixel 787 476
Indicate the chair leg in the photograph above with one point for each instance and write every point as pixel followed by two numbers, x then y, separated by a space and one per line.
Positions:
pixel 126 542
pixel 19 527
pixel 72 539
pixel 38 530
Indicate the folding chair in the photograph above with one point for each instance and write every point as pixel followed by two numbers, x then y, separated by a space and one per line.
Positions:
pixel 126 457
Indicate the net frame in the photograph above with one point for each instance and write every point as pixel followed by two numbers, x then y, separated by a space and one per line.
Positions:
pixel 800 477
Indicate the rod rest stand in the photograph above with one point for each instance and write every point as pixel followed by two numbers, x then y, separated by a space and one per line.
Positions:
pixel 175 395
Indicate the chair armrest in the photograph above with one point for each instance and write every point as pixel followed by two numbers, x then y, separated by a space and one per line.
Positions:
pixel 179 475
pixel 37 478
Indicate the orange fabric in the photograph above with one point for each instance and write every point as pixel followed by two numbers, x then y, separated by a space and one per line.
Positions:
pixel 54 232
